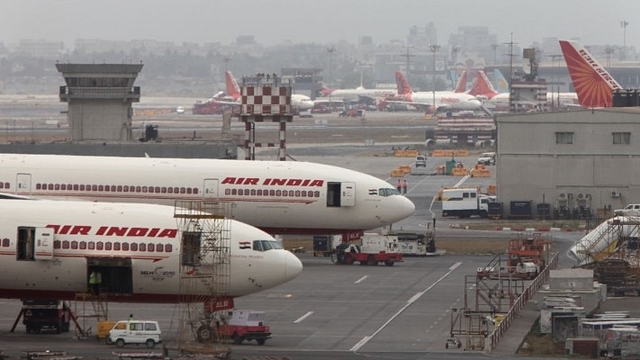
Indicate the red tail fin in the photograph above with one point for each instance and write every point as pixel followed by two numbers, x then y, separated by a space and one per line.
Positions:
pixel 483 87
pixel 233 89
pixel 325 91
pixel 593 84
pixel 403 85
pixel 461 86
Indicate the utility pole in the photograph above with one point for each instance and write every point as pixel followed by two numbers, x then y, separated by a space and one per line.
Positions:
pixel 330 50
pixel 623 25
pixel 494 47
pixel 407 57
pixel 434 48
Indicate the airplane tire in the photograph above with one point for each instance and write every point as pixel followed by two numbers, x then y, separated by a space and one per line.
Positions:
pixel 204 334
pixel 372 261
pixel 348 259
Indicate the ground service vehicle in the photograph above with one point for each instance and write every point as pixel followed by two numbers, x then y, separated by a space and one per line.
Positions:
pixel 629 210
pixel 371 249
pixel 487 158
pixel 465 202
pixel 421 160
pixel 135 332
pixel 39 314
pixel 237 325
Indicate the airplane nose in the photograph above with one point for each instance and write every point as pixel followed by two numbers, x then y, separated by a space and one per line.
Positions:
pixel 292 266
pixel 406 207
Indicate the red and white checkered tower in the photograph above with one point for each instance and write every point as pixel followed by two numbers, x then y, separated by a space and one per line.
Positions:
pixel 266 99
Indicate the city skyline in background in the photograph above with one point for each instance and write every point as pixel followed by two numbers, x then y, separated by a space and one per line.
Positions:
pixel 328 21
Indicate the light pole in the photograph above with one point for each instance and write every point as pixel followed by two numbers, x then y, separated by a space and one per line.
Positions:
pixel 623 25
pixel 434 48
pixel 330 50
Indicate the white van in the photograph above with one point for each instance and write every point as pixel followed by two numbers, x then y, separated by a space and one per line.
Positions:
pixel 135 332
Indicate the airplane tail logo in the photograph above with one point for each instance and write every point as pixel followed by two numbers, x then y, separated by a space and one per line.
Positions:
pixel 482 86
pixel 593 84
pixel 325 91
pixel 403 85
pixel 461 86
pixel 502 85
pixel 233 89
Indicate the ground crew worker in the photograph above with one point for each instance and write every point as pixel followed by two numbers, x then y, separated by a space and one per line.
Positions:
pixel 94 282
pixel 399 186
pixel 404 186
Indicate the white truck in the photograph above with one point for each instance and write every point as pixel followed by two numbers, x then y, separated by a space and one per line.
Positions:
pixel 629 210
pixel 465 202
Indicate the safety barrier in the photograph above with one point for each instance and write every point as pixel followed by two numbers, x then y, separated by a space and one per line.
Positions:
pixel 405 153
pixel 480 170
pixel 405 168
pixel 459 172
pixel 147 112
pixel 449 153
pixel 397 173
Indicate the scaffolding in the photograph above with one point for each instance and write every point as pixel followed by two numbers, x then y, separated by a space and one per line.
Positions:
pixel 618 263
pixel 494 290
pixel 88 306
pixel 204 276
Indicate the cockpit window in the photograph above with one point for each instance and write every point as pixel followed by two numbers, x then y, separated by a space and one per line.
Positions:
pixel 264 245
pixel 388 192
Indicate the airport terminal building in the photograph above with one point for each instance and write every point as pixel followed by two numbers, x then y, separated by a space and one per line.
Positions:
pixel 572 160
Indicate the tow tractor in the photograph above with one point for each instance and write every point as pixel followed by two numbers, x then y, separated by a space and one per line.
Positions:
pixel 370 250
pixel 237 325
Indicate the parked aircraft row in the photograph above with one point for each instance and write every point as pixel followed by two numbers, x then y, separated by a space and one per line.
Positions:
pixel 593 84
pixel 48 248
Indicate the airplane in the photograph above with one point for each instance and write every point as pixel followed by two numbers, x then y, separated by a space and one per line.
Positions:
pixel 49 248
pixel 593 84
pixel 357 93
pixel 276 196
pixel 604 240
pixel 501 83
pixel 461 85
pixel 482 87
pixel 298 101
pixel 499 101
pixel 444 100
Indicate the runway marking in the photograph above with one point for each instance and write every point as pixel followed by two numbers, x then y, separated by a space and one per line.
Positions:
pixel 303 317
pixel 415 297
pixel 361 279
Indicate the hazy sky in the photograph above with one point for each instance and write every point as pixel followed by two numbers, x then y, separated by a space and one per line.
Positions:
pixel 319 21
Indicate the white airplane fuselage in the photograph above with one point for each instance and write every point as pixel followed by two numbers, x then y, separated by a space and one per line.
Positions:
pixel 444 100
pixel 301 102
pixel 276 196
pixel 355 94
pixel 48 249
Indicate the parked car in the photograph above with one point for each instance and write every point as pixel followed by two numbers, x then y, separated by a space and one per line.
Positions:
pixel 135 332
pixel 487 158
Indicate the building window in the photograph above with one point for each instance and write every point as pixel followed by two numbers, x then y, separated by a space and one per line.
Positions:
pixel 564 138
pixel 621 138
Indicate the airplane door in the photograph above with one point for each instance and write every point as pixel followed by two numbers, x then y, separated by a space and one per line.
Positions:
pixel 44 244
pixel 210 190
pixel 23 184
pixel 348 194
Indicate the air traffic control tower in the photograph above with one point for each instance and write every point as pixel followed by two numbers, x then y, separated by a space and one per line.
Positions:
pixel 99 98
